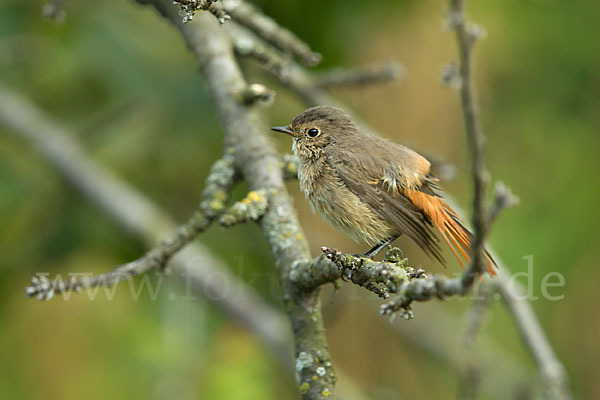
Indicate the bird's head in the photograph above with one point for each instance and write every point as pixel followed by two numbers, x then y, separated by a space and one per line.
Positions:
pixel 316 128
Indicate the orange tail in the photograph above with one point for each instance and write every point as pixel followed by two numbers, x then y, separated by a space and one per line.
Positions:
pixel 446 221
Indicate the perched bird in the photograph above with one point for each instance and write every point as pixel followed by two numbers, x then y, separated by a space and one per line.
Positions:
pixel 370 188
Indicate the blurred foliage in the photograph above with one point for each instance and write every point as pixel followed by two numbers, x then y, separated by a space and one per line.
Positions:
pixel 124 83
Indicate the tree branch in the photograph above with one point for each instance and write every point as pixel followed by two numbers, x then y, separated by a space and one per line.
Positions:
pixel 250 208
pixel 380 277
pixel 189 8
pixel 249 16
pixel 555 381
pixel 258 162
pixel 218 184
pixel 247 44
pixel 255 93
pixel 384 278
pixel 384 73
pixel 503 198
pixel 475 142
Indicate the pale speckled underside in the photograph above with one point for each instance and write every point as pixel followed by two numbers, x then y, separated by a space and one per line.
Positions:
pixel 329 195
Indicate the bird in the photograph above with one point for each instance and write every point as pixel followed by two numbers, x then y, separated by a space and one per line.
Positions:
pixel 373 189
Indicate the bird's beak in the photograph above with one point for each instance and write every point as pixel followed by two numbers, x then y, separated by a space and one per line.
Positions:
pixel 284 129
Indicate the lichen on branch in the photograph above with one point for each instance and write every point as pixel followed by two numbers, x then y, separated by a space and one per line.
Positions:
pixel 188 9
pixel 384 278
pixel 250 208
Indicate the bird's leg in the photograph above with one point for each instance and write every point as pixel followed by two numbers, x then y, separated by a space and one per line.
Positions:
pixel 380 246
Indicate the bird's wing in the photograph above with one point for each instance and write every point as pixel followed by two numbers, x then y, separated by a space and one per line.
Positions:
pixel 380 181
pixel 397 185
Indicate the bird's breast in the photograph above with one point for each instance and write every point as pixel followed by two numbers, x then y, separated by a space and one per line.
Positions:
pixel 338 205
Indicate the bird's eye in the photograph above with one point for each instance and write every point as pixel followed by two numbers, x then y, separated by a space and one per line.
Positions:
pixel 313 132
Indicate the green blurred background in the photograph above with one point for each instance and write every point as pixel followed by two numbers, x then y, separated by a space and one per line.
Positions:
pixel 123 82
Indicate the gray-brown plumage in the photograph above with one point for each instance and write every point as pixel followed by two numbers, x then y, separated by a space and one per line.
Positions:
pixel 370 188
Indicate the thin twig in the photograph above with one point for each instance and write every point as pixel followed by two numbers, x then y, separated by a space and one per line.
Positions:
pixel 247 44
pixel 249 16
pixel 503 198
pixel 384 73
pixel 219 182
pixel 475 142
